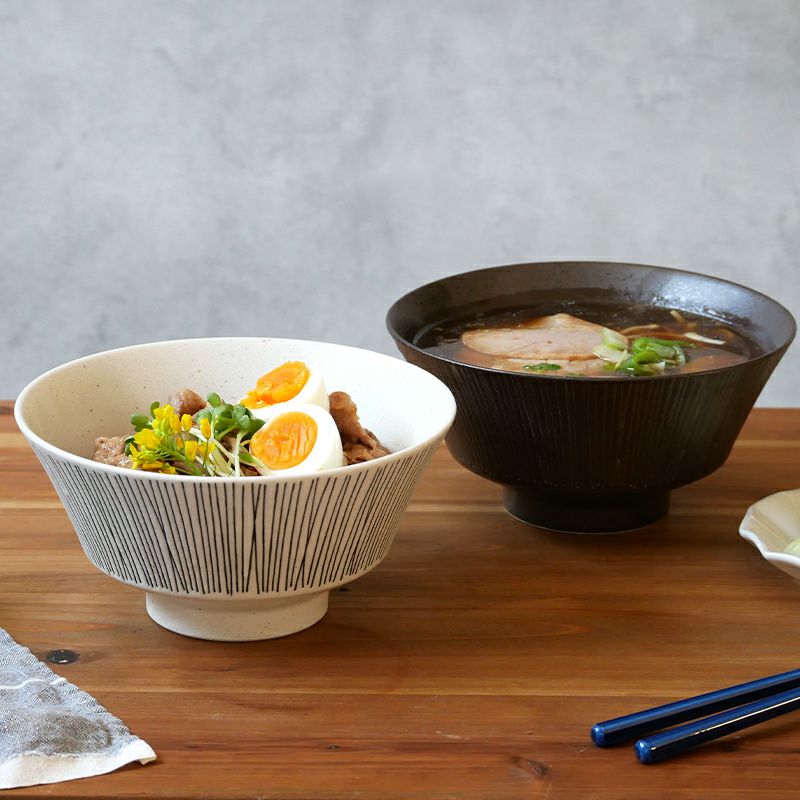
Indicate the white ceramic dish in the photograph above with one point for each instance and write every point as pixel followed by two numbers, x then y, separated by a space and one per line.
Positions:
pixel 232 558
pixel 773 523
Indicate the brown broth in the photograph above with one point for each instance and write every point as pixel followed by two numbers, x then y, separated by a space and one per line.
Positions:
pixel 444 338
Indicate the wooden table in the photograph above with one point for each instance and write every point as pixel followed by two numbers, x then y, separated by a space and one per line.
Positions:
pixel 470 664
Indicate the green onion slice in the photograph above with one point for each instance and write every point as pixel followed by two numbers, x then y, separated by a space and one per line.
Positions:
pixel 543 367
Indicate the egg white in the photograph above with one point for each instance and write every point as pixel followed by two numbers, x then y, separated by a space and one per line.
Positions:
pixel 327 450
pixel 313 392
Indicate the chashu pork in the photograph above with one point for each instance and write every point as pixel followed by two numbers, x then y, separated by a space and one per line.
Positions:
pixel 585 366
pixel 559 337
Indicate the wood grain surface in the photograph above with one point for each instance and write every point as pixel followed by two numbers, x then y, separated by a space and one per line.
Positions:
pixel 470 664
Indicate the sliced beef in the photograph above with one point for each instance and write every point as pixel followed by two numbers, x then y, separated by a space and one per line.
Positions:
pixel 557 337
pixel 186 401
pixel 358 443
pixel 111 450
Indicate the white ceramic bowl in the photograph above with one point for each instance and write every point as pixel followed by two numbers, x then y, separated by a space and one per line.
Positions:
pixel 232 558
pixel 773 523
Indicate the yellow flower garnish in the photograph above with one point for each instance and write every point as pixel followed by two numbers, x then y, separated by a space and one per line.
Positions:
pixel 146 438
pixel 173 443
pixel 206 448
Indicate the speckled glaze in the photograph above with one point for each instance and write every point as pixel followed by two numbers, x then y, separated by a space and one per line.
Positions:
pixel 594 454
pixel 232 558
pixel 770 525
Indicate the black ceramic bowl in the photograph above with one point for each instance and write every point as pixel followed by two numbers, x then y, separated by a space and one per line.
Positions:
pixel 594 454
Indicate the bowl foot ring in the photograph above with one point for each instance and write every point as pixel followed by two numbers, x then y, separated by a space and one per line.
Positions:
pixel 585 513
pixel 233 620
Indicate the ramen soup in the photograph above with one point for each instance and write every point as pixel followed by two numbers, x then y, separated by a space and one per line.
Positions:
pixel 593 341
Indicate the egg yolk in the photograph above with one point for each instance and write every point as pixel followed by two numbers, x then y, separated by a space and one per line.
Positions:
pixel 278 386
pixel 286 441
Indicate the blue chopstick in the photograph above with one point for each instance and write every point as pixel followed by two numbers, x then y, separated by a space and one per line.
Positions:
pixel 622 730
pixel 677 740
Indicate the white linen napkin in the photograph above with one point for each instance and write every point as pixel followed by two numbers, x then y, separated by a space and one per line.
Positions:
pixel 52 731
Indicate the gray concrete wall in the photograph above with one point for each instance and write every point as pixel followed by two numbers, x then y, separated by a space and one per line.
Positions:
pixel 289 168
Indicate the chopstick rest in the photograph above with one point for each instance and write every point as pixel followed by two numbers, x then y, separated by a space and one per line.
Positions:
pixel 629 728
pixel 677 740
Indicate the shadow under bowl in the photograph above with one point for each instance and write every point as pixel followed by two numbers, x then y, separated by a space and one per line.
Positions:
pixel 593 454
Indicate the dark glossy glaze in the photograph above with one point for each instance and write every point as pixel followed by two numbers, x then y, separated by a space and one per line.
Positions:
pixel 594 454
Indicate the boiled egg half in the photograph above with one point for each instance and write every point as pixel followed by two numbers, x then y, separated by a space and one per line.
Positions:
pixel 298 440
pixel 291 383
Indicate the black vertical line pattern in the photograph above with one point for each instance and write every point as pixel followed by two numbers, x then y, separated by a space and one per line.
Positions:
pixel 94 513
pixel 65 488
pixel 125 561
pixel 382 533
pixel 215 554
pixel 319 529
pixel 230 534
pixel 326 535
pixel 79 507
pixel 415 470
pixel 191 534
pixel 126 528
pixel 401 503
pixel 216 538
pixel 249 536
pixel 375 493
pixel 287 535
pixel 348 529
pixel 160 526
pixel 149 490
pixel 344 530
pixel 174 542
pixel 245 504
pixel 280 490
pixel 178 536
pixel 205 544
pixel 336 531
pixel 308 530
pixel 141 511
pixel 258 524
pixel 373 531
pixel 316 528
pixel 99 552
pixel 219 540
pixel 272 493
pixel 238 507
pixel 196 540
pixel 297 533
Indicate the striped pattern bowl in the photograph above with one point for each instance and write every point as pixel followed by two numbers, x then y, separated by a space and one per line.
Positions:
pixel 232 558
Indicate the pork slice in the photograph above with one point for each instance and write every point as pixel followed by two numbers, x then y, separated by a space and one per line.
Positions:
pixel 358 443
pixel 186 401
pixel 557 337
pixel 585 366
pixel 111 450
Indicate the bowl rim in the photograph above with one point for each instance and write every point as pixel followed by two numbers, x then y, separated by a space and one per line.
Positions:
pixel 82 461
pixel 592 379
